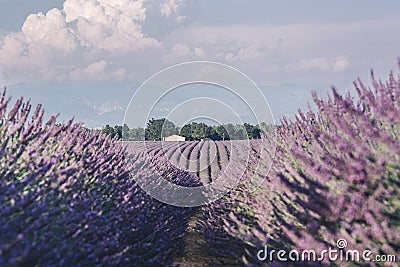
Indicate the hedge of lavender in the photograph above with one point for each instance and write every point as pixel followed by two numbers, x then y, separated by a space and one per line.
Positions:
pixel 336 176
pixel 67 198
pixel 223 241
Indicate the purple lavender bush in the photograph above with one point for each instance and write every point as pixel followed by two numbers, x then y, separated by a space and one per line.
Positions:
pixel 219 219
pixel 345 159
pixel 67 198
pixel 336 176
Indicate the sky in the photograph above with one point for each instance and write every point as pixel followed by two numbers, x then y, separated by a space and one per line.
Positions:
pixel 86 58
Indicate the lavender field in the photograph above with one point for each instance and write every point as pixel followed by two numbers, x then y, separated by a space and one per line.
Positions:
pixel 69 198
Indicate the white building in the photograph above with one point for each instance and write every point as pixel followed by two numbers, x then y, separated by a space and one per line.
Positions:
pixel 174 137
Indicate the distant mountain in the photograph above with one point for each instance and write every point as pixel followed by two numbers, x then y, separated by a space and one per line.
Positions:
pixel 107 107
pixel 98 104
pixel 94 105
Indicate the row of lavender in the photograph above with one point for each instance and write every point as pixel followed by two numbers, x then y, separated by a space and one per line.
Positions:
pixel 212 160
pixel 206 159
pixel 336 176
pixel 67 198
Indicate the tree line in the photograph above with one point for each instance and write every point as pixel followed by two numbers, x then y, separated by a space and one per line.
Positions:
pixel 158 129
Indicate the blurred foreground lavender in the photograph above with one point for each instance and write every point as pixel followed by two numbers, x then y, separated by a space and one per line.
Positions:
pixel 67 198
pixel 336 176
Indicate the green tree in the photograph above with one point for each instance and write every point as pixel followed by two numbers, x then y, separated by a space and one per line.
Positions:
pixel 211 133
pixel 125 132
pixel 118 131
pixel 108 130
pixel 256 132
pixel 186 131
pixel 136 134
pixel 252 131
pixel 113 131
pixel 221 132
pixel 239 132
pixel 198 130
pixel 230 130
pixel 157 129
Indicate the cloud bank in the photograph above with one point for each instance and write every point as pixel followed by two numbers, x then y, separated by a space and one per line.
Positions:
pixel 76 40
pixel 96 40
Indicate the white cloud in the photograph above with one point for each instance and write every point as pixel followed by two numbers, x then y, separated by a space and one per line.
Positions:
pixel 177 53
pixel 50 29
pixel 180 52
pixel 109 25
pixel 180 19
pixel 13 47
pixel 103 10
pixel 109 36
pixel 340 49
pixel 249 52
pixel 229 57
pixel 96 68
pixel 253 51
pixel 339 63
pixel 72 35
pixel 169 7
pixel 100 70
pixel 180 49
pixel 199 52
